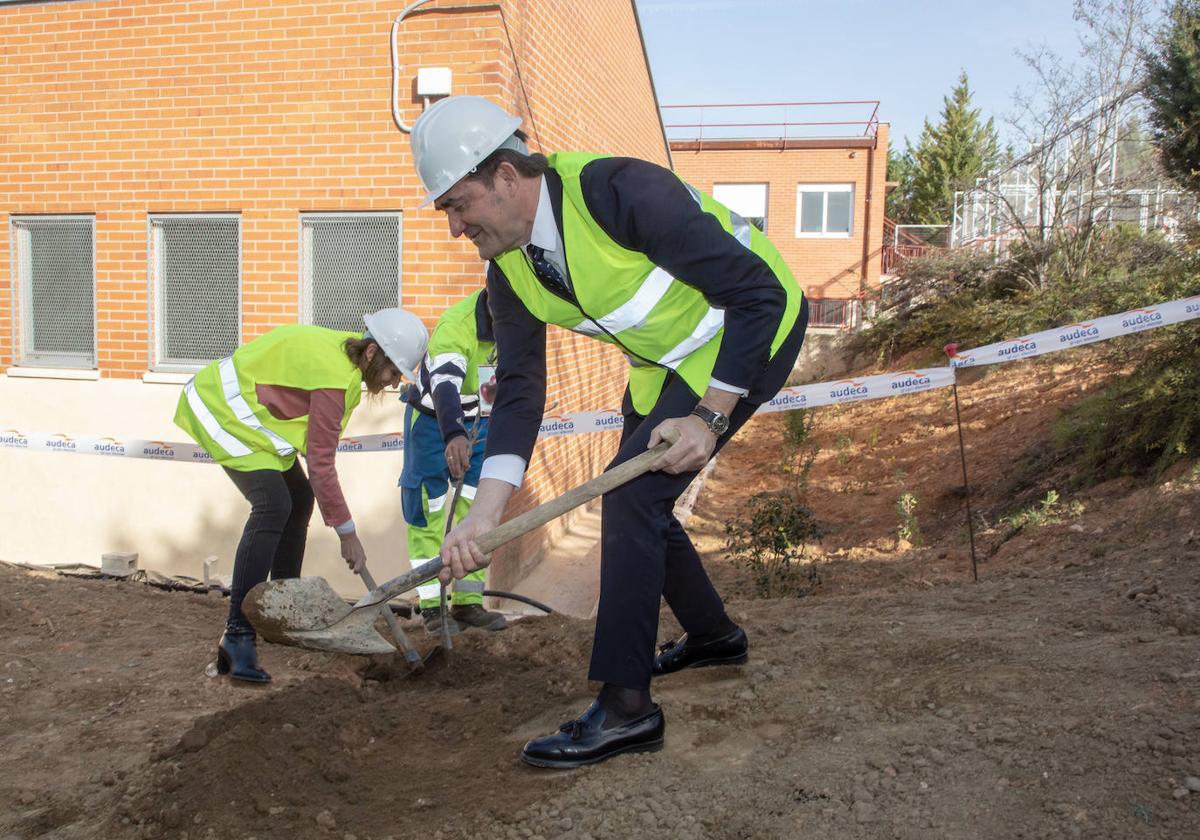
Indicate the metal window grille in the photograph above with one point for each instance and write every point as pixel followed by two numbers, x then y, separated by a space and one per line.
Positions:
pixel 349 267
pixel 195 286
pixel 55 296
pixel 831 312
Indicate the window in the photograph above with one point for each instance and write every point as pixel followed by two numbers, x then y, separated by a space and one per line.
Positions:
pixel 824 210
pixel 195 287
pixel 747 200
pixel 349 266
pixel 55 292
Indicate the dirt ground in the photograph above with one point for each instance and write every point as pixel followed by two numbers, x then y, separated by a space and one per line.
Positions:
pixel 1057 697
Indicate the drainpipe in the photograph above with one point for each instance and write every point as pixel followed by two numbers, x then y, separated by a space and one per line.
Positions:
pixel 866 246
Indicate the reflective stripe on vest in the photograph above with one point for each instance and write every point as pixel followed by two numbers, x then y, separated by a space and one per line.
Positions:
pixel 225 440
pixel 232 392
pixel 470 402
pixel 711 324
pixel 632 314
pixel 435 363
pixel 456 342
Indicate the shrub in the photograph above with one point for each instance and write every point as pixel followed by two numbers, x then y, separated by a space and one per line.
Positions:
pixel 962 297
pixel 1143 423
pixel 909 530
pixel 771 542
pixel 1048 511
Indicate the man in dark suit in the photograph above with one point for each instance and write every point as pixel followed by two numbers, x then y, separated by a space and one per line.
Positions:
pixel 711 320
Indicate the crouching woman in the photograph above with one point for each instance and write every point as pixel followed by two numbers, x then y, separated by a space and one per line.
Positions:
pixel 286 393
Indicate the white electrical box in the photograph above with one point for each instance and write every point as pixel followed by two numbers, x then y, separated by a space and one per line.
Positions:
pixel 433 81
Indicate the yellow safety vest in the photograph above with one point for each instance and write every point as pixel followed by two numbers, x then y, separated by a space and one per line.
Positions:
pixel 219 407
pixel 661 323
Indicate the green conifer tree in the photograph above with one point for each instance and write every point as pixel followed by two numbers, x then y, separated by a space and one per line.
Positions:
pixel 900 172
pixel 950 156
pixel 1173 90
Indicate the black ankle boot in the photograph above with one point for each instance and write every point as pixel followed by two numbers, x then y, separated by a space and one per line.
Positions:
pixel 237 654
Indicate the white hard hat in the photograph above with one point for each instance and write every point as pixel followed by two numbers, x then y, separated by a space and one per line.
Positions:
pixel 402 336
pixel 454 135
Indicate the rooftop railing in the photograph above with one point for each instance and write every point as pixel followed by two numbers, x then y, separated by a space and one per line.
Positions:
pixel 772 121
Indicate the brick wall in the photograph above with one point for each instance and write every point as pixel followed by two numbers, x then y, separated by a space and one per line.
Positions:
pixel 130 107
pixel 825 268
pixel 581 86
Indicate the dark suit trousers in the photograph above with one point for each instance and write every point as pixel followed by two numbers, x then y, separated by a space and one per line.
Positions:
pixel 645 555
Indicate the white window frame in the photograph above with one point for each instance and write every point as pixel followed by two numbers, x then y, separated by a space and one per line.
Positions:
pixel 824 232
pixel 20 268
pixel 305 253
pixel 766 199
pixel 154 275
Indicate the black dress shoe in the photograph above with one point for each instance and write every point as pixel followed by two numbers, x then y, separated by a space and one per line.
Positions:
pixel 586 741
pixel 733 649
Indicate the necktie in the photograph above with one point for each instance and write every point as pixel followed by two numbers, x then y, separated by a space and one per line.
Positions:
pixel 544 269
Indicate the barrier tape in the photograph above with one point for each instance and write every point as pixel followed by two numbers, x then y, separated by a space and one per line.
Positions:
pixel 858 389
pixel 1077 335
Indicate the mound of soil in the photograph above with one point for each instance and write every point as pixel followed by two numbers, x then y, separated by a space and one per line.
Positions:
pixel 1058 696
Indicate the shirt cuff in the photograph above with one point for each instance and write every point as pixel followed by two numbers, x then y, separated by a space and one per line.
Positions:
pixel 723 386
pixel 345 528
pixel 508 468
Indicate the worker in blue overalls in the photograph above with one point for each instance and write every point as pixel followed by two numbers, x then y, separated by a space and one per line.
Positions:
pixel 443 413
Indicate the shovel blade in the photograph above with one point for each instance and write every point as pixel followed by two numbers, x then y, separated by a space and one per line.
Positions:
pixel 306 612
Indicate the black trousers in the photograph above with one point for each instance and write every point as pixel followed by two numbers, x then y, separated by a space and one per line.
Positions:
pixel 281 503
pixel 645 555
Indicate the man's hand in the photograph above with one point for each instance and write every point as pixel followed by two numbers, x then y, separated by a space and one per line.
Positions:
pixel 692 450
pixel 353 552
pixel 458 456
pixel 696 443
pixel 460 554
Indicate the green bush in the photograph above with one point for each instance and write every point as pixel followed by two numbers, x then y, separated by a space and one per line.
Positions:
pixel 962 297
pixel 771 542
pixel 1049 511
pixel 1143 423
pixel 797 428
pixel 909 530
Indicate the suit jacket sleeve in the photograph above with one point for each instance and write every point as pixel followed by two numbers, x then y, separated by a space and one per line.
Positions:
pixel 520 371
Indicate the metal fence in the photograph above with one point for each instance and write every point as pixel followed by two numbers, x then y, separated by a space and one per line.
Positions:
pixel 772 121
pixel 1098 170
pixel 834 312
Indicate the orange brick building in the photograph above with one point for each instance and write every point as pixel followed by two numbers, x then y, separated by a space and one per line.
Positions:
pixel 819 197
pixel 179 177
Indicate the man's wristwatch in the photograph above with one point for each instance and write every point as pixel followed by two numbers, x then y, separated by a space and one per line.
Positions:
pixel 717 422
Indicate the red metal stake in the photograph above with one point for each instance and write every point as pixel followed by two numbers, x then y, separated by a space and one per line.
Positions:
pixel 951 349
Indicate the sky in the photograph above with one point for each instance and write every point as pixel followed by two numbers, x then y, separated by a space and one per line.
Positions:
pixel 907 55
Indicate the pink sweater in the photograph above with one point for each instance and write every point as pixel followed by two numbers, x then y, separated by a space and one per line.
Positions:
pixel 324 408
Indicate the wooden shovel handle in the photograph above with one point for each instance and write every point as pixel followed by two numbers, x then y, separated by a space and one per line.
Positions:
pixel 526 522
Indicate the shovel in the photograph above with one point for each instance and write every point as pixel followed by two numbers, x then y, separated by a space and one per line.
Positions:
pixel 306 612
pixel 415 662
